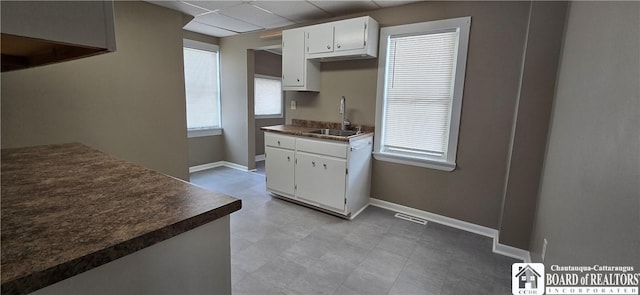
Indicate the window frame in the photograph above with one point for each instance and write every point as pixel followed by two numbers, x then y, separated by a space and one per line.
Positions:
pixel 207 131
pixel 448 161
pixel 281 115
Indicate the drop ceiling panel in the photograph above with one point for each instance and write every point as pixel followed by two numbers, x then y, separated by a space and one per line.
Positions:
pixel 223 18
pixel 201 28
pixel 182 7
pixel 254 15
pixel 228 23
pixel 298 11
pixel 344 7
pixel 214 5
pixel 390 3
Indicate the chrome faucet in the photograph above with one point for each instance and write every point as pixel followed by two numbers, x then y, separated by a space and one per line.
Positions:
pixel 343 112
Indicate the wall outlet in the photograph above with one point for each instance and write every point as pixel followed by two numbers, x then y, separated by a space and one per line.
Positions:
pixel 544 248
pixel 293 104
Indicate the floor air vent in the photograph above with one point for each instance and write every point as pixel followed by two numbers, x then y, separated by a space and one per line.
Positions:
pixel 411 218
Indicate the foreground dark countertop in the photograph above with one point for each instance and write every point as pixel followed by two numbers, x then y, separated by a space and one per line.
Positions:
pixel 69 208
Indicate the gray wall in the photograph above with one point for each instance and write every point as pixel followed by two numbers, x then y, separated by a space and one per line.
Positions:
pixel 531 124
pixel 260 134
pixel 237 104
pixel 205 149
pixel 270 64
pixel 200 37
pixel 475 191
pixel 129 103
pixel 589 202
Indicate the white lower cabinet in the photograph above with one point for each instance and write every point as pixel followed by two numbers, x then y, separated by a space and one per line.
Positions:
pixel 329 175
pixel 321 180
pixel 279 168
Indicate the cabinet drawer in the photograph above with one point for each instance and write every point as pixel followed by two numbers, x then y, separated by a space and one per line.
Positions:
pixel 280 141
pixel 332 149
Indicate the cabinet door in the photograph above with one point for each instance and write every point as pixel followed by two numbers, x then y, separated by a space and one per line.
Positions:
pixel 84 23
pixel 279 166
pixel 321 180
pixel 319 39
pixel 350 34
pixel 294 60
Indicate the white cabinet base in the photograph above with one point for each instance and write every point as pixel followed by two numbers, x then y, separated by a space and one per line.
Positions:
pixel 321 180
pixel 349 216
pixel 279 167
pixel 332 176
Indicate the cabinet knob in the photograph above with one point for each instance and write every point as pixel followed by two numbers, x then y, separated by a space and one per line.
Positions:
pixel 325 166
pixel 278 142
pixel 298 80
pixel 288 158
pixel 313 163
pixel 328 47
pixel 338 45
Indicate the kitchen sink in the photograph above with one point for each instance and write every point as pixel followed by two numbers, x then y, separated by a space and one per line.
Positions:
pixel 334 132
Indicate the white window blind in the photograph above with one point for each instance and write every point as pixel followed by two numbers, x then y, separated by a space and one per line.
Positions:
pixel 419 91
pixel 421 70
pixel 202 91
pixel 268 96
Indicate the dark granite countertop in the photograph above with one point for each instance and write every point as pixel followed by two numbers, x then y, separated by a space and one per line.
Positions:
pixel 301 127
pixel 69 208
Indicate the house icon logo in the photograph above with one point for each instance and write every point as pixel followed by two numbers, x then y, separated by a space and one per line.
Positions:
pixel 527 278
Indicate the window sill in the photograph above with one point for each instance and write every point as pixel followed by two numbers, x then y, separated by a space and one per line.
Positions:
pixel 259 117
pixel 418 162
pixel 204 132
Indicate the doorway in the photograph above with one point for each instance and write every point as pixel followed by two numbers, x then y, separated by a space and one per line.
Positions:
pixel 263 78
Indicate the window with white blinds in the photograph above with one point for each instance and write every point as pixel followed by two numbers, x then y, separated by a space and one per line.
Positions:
pixel 201 77
pixel 268 97
pixel 420 92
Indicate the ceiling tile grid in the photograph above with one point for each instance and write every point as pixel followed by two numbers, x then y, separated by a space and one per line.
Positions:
pixel 227 18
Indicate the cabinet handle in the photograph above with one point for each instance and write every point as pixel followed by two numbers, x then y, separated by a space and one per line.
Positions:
pixel 325 166
pixel 313 163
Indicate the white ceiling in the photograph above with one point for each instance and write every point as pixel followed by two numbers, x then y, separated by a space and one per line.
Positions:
pixel 227 18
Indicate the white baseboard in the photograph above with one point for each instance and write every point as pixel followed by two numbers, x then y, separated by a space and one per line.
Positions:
pixel 448 221
pixel 235 166
pixel 359 211
pixel 205 166
pixel 218 164
pixel 459 224
pixel 509 251
pixel 259 158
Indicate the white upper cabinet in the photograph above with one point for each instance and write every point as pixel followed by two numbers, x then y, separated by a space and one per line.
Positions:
pixel 351 34
pixel 319 39
pixel 354 38
pixel 298 73
pixel 304 48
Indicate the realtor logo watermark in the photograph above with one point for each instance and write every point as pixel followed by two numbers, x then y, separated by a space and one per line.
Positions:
pixel 527 278
pixel 530 278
